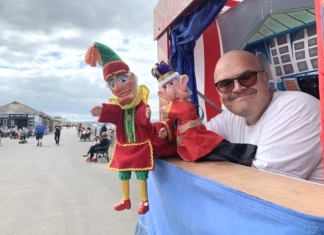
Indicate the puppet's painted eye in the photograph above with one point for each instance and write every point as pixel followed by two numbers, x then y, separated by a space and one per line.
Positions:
pixel 111 83
pixel 122 78
pixel 164 87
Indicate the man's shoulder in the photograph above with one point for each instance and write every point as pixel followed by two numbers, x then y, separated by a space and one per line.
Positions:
pixel 294 95
pixel 292 103
pixel 295 99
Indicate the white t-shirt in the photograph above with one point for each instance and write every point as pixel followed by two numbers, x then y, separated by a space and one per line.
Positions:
pixel 287 135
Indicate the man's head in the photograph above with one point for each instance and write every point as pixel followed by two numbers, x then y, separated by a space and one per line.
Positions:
pixel 242 84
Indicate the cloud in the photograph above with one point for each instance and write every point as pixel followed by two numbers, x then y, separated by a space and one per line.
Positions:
pixel 42 47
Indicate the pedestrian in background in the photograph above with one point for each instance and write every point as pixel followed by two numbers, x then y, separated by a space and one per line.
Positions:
pixel 57 134
pixel 103 129
pixel 39 132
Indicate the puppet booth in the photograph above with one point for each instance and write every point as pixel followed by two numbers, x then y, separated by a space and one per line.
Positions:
pixel 219 197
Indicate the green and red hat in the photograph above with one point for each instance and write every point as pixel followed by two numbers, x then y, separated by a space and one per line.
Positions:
pixel 107 58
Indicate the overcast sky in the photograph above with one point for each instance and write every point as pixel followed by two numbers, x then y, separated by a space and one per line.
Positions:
pixel 42 47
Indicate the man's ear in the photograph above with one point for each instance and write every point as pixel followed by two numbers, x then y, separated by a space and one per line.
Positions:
pixel 266 77
pixel 162 95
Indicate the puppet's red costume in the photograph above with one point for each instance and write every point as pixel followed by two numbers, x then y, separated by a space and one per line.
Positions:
pixel 193 139
pixel 133 150
pixel 137 138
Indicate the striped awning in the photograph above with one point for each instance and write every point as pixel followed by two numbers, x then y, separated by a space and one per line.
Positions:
pixel 279 23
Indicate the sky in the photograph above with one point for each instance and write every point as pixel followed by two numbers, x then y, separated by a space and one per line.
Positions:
pixel 42 48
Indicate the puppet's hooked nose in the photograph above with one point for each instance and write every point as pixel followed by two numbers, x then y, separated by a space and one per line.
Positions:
pixel 118 86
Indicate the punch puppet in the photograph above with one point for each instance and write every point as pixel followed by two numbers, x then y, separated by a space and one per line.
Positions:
pixel 195 142
pixel 137 139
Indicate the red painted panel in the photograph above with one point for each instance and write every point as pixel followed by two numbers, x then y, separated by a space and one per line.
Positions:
pixel 232 3
pixel 319 28
pixel 212 53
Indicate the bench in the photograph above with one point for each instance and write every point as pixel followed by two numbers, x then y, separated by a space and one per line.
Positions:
pixel 102 152
pixel 86 137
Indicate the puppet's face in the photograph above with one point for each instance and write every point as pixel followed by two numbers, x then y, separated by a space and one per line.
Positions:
pixel 123 86
pixel 170 89
pixel 175 89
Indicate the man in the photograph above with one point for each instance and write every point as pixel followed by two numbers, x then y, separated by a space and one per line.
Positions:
pixel 285 125
pixel 39 132
pixel 137 138
pixel 103 129
pixel 23 135
pixel 57 134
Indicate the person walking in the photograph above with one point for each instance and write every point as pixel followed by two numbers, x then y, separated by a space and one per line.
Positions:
pixel 39 132
pixel 57 134
pixel 103 129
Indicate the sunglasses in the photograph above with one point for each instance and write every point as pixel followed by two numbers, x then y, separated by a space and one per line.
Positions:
pixel 247 79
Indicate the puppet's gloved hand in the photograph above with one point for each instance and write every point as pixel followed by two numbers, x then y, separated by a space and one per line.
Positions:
pixel 96 111
pixel 148 113
pixel 163 133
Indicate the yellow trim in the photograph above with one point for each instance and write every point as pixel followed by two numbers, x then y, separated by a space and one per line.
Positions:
pixel 133 124
pixel 115 72
pixel 112 62
pixel 179 140
pixel 127 123
pixel 170 135
pixel 166 75
pixel 167 111
pixel 134 169
pixel 138 143
pixel 142 94
pixel 131 169
pixel 189 124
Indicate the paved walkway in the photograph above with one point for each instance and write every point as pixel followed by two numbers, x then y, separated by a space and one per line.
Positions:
pixel 52 190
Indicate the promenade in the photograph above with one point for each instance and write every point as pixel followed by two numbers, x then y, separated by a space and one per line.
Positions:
pixel 51 190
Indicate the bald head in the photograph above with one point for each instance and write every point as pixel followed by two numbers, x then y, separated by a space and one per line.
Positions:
pixel 234 61
pixel 246 100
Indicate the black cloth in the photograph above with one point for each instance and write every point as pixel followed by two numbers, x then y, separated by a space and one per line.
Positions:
pixel 39 136
pixel 242 154
pixel 57 130
pixel 103 143
pixel 23 137
pixel 57 138
pixel 103 129
pixel 57 134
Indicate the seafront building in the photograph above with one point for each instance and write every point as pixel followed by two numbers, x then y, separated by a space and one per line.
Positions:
pixel 16 113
